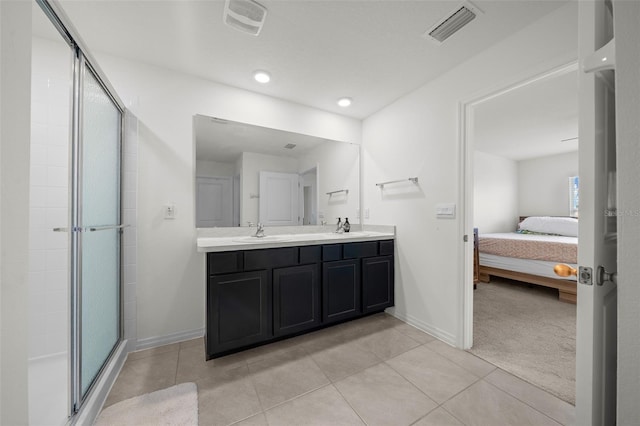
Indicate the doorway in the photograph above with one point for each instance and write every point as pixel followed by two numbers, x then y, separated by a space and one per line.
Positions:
pixel 520 154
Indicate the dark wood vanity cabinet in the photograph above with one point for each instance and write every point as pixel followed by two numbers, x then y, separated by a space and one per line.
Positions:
pixel 377 283
pixel 341 290
pixel 258 296
pixel 296 299
pixel 238 310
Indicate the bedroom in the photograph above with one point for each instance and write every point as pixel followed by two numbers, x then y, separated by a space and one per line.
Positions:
pixel 526 152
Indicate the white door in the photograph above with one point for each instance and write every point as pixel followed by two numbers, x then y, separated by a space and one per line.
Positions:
pixel 278 199
pixel 596 340
pixel 214 202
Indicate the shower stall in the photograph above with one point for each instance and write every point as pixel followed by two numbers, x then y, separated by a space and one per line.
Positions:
pixel 75 223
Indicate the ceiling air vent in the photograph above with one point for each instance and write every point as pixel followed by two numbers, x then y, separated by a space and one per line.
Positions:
pixel 453 22
pixel 290 145
pixel 244 15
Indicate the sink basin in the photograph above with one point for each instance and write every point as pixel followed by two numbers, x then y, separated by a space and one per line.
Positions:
pixel 258 240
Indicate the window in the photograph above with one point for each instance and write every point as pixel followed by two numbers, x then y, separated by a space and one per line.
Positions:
pixel 574 198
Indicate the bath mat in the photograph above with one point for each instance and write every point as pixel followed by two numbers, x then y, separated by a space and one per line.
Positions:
pixel 177 405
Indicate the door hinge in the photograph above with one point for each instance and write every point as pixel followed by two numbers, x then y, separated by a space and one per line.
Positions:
pixel 465 238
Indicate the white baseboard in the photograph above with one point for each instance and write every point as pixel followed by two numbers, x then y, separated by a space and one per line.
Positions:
pixel 152 342
pixel 427 328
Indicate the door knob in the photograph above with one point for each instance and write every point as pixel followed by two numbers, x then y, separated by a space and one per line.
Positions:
pixel 602 276
pixel 565 270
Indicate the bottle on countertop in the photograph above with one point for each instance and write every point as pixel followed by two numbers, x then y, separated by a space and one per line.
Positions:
pixel 347 225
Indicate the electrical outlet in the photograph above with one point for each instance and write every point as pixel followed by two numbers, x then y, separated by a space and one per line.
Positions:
pixel 170 211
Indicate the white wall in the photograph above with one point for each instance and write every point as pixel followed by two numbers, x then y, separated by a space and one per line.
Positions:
pixel 15 116
pixel 543 184
pixel 214 168
pixel 418 136
pixel 171 286
pixel 627 34
pixel 338 168
pixel 495 193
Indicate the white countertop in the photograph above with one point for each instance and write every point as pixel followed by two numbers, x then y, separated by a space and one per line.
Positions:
pixel 247 242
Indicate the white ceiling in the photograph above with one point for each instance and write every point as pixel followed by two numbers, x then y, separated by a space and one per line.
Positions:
pixel 531 121
pixel 224 140
pixel 316 50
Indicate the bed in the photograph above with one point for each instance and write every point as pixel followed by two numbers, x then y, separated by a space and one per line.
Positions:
pixel 530 253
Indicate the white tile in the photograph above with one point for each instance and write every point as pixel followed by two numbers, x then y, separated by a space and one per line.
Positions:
pixel 56 259
pixel 130 162
pixel 38 196
pixel 37 260
pixel 57 197
pixel 57 217
pixel 129 218
pixel 130 329
pixel 58 280
pixel 38 176
pixel 57 301
pixel 58 135
pixel 58 155
pixel 38 153
pixel 129 256
pixel 39 112
pixel 130 310
pixel 37 217
pixel 56 240
pixel 130 272
pixel 129 293
pixel 129 181
pixel 129 200
pixel 58 113
pixel 39 134
pixel 37 239
pixel 58 176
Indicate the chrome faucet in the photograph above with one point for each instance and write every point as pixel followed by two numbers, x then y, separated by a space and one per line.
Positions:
pixel 339 227
pixel 260 231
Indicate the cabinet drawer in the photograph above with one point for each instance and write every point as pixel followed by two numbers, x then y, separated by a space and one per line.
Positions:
pixel 224 262
pixel 386 247
pixel 310 254
pixel 356 250
pixel 270 258
pixel 331 252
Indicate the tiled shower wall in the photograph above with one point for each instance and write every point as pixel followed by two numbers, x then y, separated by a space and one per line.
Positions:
pixel 49 199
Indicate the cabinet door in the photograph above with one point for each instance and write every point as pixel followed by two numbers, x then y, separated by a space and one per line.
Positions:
pixel 377 283
pixel 296 299
pixel 341 290
pixel 238 310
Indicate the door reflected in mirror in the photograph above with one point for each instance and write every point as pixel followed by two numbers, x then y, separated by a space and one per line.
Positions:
pixel 248 174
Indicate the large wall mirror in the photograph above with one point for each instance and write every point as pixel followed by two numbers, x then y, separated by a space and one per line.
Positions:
pixel 248 174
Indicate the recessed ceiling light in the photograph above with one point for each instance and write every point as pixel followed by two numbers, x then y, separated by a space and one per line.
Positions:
pixel 344 102
pixel 262 76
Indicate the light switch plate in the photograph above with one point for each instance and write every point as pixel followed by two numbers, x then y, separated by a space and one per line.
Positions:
pixel 170 211
pixel 446 210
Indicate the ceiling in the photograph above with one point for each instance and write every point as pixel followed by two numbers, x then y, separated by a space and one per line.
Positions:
pixel 224 141
pixel 316 50
pixel 535 120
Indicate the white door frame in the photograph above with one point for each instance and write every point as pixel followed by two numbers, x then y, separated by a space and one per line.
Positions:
pixel 466 176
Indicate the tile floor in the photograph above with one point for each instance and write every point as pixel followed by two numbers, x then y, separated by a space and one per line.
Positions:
pixel 375 371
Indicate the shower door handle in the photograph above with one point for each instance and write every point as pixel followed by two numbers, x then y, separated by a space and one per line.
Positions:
pixel 90 228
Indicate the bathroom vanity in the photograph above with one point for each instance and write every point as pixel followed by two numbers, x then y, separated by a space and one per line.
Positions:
pixel 263 290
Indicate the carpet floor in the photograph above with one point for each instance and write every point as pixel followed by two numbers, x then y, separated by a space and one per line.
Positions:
pixel 176 405
pixel 528 332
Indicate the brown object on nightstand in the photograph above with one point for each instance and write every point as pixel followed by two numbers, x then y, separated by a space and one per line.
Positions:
pixel 476 259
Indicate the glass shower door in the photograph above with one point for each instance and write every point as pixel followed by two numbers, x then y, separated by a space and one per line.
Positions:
pixel 98 219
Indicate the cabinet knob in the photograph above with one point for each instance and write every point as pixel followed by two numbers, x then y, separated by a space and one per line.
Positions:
pixel 565 270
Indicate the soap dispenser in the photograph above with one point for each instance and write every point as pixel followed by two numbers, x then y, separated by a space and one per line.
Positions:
pixel 347 225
